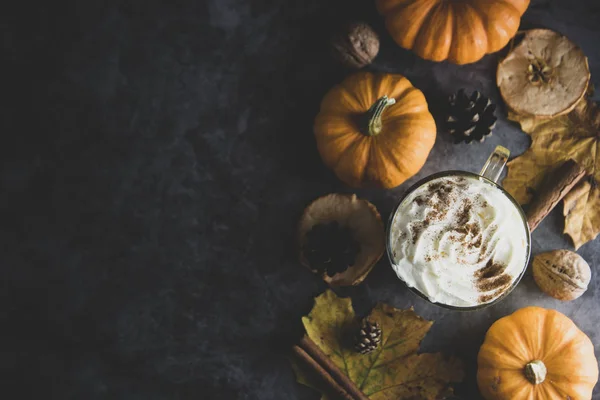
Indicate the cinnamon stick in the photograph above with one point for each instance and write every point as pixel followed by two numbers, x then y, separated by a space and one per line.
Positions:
pixel 552 191
pixel 333 387
pixel 338 383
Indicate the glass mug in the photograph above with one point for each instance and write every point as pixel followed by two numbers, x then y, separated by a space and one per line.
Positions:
pixel 489 174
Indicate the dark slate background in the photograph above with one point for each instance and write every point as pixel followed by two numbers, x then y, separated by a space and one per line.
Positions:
pixel 155 159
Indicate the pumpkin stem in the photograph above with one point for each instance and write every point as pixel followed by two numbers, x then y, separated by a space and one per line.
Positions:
pixel 535 372
pixel 374 124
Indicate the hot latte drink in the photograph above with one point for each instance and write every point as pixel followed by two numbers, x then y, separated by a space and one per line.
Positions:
pixel 459 241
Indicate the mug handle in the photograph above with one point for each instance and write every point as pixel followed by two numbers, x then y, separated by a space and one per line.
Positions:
pixel 495 164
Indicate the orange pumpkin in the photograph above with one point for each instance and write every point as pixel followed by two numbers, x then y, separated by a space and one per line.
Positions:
pixel 461 31
pixel 536 354
pixel 374 130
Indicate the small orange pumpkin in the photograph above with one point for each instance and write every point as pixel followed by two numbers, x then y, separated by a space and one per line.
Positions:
pixel 374 130
pixel 536 354
pixel 461 31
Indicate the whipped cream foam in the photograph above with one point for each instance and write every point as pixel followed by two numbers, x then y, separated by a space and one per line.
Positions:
pixel 459 241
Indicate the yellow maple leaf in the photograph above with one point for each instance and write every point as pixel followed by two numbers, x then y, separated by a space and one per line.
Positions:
pixel 555 140
pixel 394 370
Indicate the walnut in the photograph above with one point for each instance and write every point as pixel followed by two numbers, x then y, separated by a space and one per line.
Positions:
pixel 562 274
pixel 356 45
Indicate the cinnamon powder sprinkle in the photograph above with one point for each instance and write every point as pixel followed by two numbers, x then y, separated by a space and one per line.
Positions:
pixel 476 243
pixel 465 212
pixel 417 228
pixel 492 277
pixel 492 269
pixel 487 285
pixel 484 298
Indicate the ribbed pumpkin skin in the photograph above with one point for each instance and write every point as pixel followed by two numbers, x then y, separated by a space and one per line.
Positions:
pixel 535 333
pixel 460 31
pixel 389 158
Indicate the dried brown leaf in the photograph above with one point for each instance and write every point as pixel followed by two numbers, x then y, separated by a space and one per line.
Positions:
pixel 575 135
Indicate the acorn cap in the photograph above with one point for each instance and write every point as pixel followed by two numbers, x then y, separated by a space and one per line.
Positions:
pixel 545 75
pixel 362 218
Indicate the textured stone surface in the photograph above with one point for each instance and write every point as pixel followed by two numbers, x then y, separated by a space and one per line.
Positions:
pixel 155 159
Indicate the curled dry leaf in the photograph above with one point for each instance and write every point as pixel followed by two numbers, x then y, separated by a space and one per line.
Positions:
pixel 364 221
pixel 394 370
pixel 575 135
pixel 562 274
pixel 545 75
pixel 582 210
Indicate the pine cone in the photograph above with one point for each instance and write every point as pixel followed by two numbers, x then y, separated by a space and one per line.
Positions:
pixel 330 248
pixel 368 337
pixel 470 117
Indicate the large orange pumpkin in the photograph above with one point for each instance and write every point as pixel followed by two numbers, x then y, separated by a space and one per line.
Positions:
pixel 374 130
pixel 461 31
pixel 536 354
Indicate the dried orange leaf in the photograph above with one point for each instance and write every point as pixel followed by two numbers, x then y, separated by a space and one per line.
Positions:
pixel 575 135
pixel 394 370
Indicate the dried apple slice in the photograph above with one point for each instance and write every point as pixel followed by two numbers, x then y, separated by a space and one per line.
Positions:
pixel 364 221
pixel 545 75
